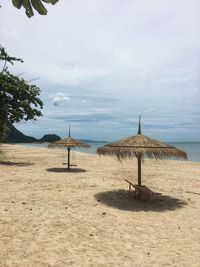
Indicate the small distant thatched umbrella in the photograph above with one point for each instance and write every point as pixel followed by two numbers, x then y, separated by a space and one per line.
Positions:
pixel 68 143
pixel 139 146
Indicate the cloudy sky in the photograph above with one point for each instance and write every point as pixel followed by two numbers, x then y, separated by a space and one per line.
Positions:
pixel 102 63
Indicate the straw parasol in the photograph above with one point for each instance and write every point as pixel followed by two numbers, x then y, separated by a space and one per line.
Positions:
pixel 68 143
pixel 139 146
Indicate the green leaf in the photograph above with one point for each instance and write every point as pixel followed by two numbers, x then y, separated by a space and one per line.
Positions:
pixel 53 2
pixel 28 8
pixel 37 5
pixel 17 3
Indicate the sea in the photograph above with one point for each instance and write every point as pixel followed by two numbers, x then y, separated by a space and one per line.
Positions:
pixel 191 148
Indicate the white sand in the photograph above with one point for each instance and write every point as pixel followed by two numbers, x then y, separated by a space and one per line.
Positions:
pixel 50 217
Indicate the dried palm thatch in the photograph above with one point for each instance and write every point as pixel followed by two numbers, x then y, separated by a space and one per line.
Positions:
pixel 139 146
pixel 68 143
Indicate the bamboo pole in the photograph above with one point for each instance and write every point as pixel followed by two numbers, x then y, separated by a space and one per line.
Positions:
pixel 139 171
pixel 139 175
pixel 68 163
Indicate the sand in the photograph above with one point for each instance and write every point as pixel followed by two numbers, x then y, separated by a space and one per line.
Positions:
pixel 50 217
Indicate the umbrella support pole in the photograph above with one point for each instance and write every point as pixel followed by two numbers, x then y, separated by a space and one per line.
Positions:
pixel 68 162
pixel 139 174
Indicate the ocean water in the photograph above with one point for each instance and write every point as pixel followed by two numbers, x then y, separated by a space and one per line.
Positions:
pixel 92 149
pixel 191 148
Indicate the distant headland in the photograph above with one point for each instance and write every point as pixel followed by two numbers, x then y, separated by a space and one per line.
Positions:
pixel 15 136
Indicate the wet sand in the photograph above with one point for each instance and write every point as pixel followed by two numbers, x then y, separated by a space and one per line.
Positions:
pixel 51 217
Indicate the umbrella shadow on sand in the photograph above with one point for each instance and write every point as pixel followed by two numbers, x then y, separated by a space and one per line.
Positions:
pixel 19 164
pixel 65 170
pixel 119 199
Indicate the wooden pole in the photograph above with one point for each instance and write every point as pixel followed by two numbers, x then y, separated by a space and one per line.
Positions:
pixel 139 175
pixel 68 163
pixel 139 170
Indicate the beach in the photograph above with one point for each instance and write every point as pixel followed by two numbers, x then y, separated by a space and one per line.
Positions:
pixel 51 217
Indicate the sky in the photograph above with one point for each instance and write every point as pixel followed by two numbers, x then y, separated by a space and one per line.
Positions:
pixel 102 63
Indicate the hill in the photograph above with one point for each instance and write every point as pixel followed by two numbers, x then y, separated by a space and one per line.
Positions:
pixel 15 136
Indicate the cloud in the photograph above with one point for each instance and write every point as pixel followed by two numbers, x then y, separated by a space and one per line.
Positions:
pixel 103 63
pixel 84 118
pixel 80 102
pixel 59 98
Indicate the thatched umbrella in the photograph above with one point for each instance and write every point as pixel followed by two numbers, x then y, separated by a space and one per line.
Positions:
pixel 139 146
pixel 68 143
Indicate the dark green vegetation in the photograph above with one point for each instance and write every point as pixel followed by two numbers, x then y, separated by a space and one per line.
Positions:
pixel 5 58
pixel 18 99
pixel 29 5
pixel 49 138
pixel 15 136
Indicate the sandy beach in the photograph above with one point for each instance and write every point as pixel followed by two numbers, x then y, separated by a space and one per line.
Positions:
pixel 51 217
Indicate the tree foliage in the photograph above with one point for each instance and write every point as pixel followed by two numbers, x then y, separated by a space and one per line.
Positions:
pixel 5 58
pixel 18 99
pixel 29 5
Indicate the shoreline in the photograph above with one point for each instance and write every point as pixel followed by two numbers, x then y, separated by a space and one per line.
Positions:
pixel 84 151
